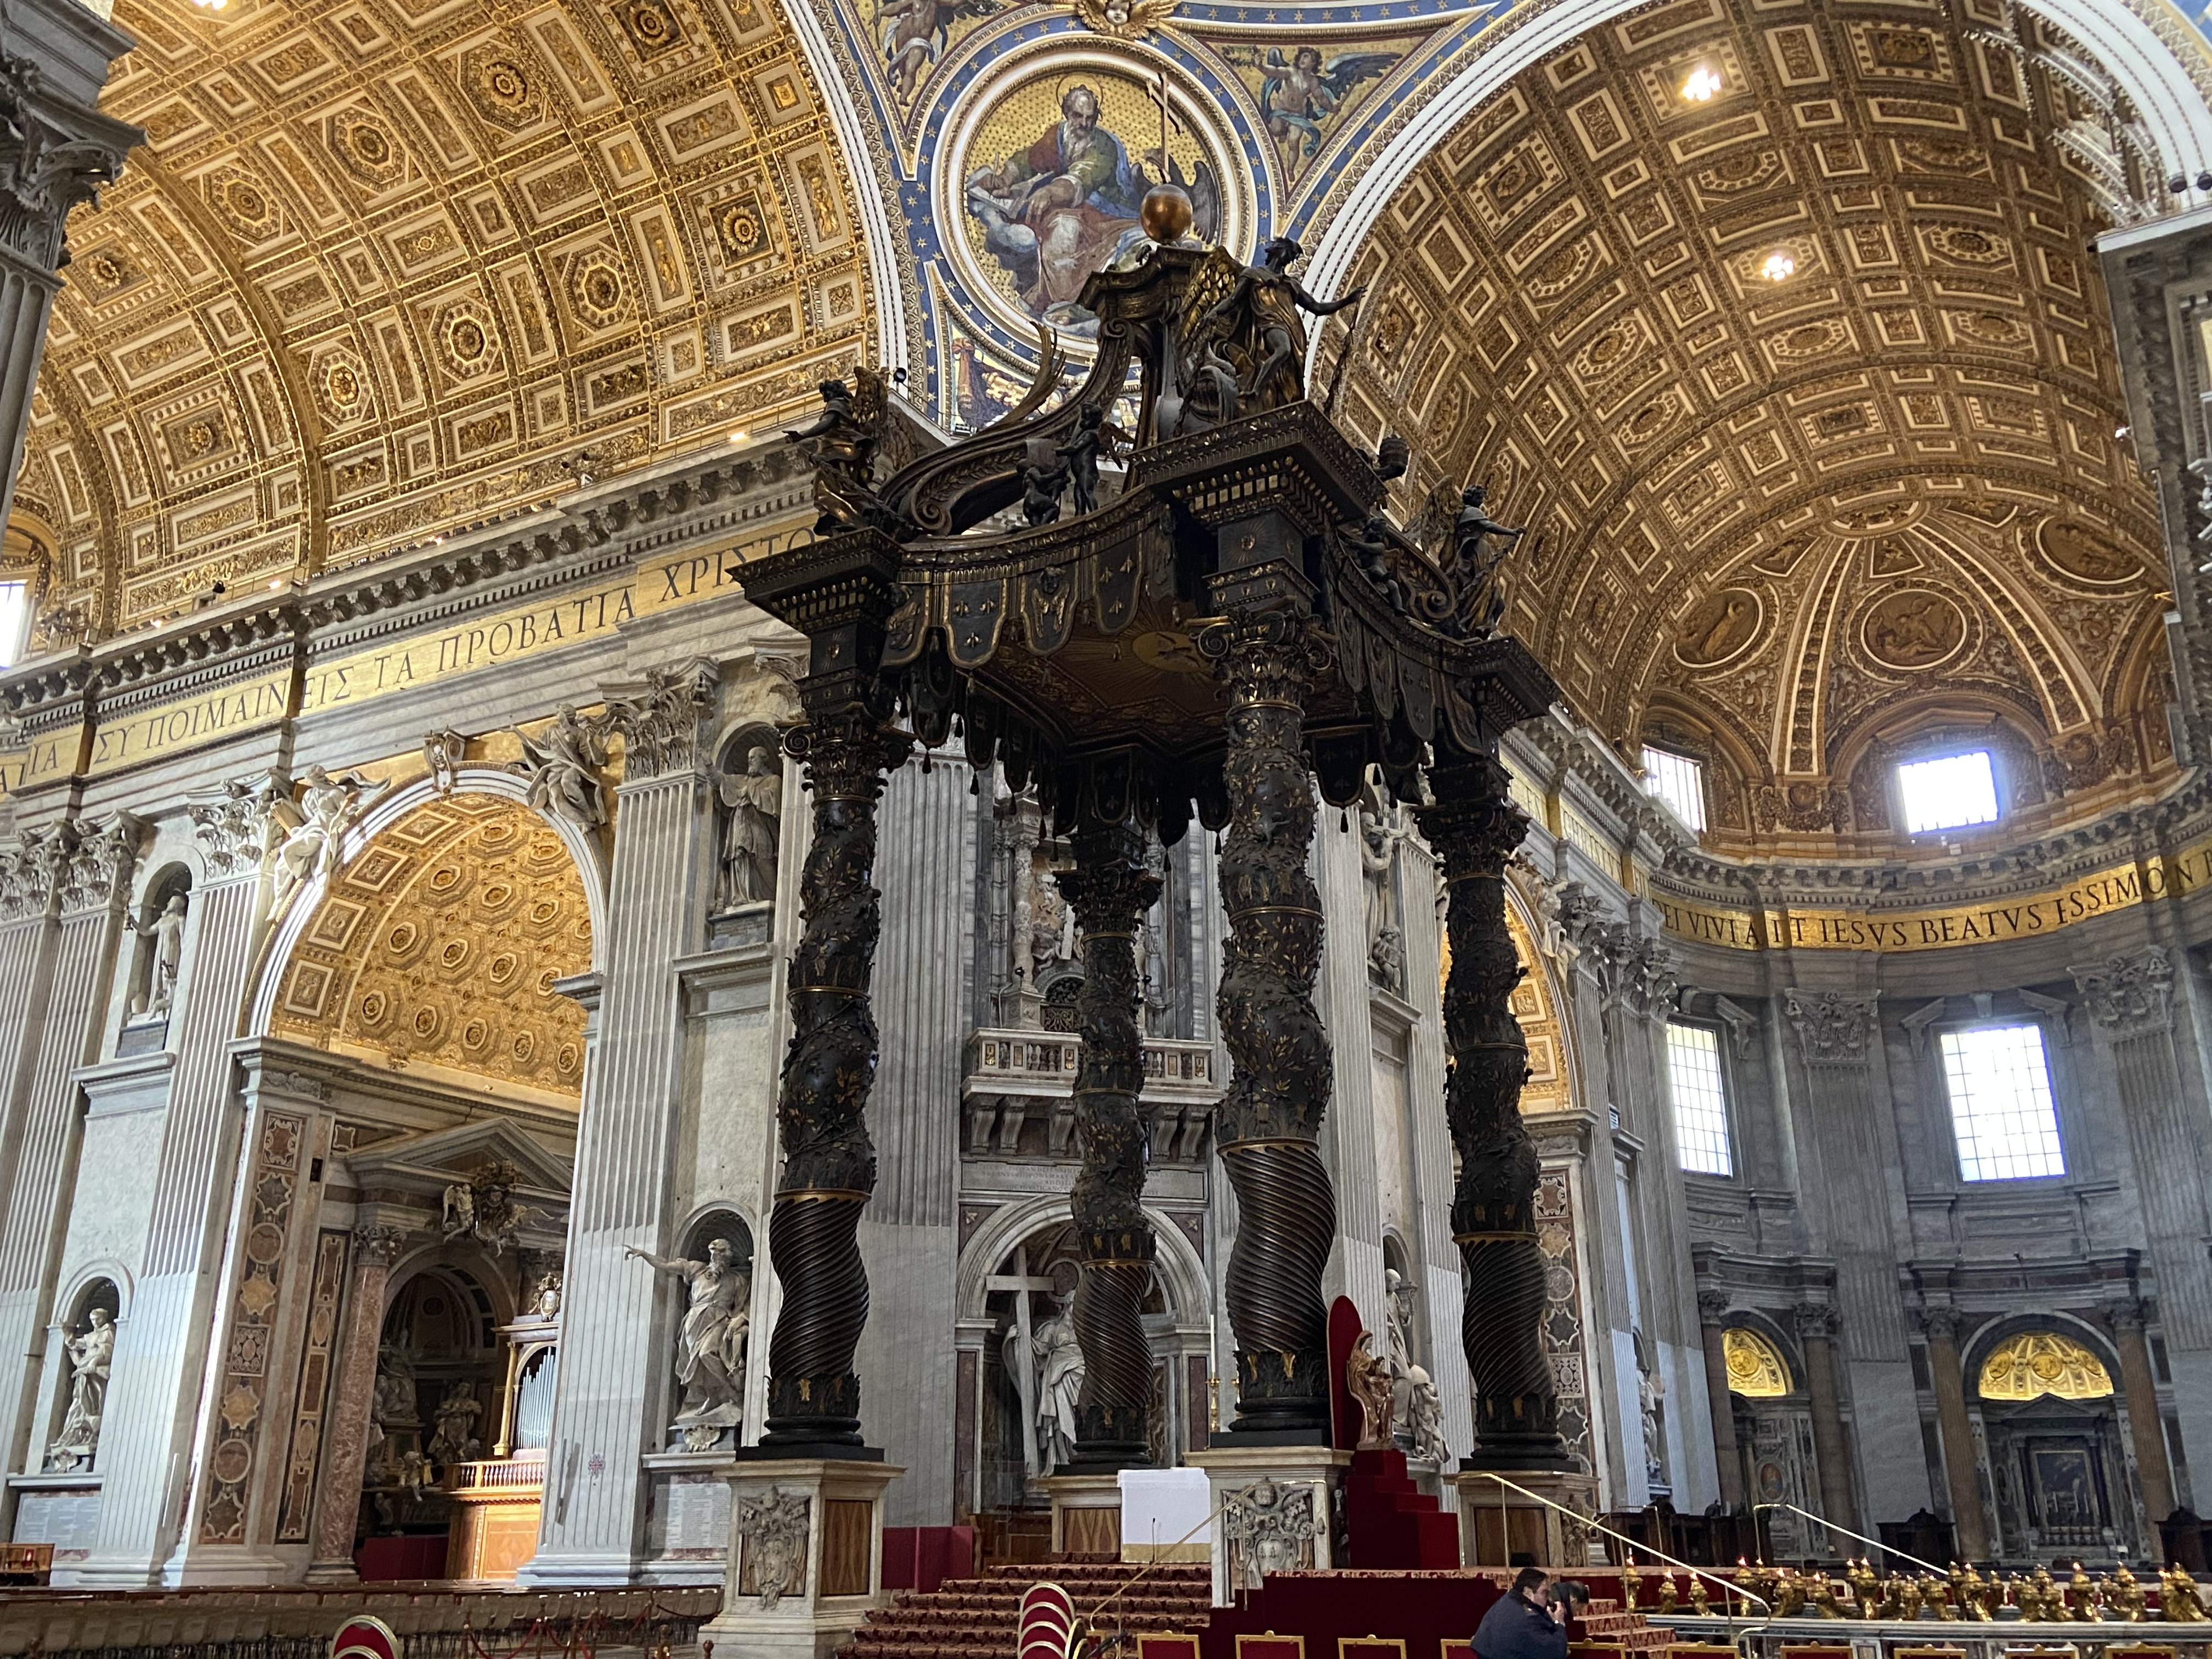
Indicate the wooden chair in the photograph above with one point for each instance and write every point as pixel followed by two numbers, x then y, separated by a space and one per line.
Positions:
pixel 1370 1647
pixel 1453 1648
pixel 2043 1650
pixel 2139 1650
pixel 1816 1650
pixel 1156 1644
pixel 1596 1651
pixel 1934 1651
pixel 1271 1646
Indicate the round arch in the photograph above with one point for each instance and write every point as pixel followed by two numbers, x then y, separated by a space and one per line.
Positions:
pixel 1182 1273
pixel 1986 1341
pixel 2125 40
pixel 584 850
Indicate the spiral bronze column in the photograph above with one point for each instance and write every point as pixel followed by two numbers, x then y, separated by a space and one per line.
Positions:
pixel 830 1162
pixel 1111 890
pixel 1473 827
pixel 1268 1125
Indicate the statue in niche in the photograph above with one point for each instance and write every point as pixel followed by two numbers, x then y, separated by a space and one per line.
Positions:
pixel 755 799
pixel 1652 1406
pixel 1380 832
pixel 1052 925
pixel 167 932
pixel 563 764
pixel 1055 1362
pixel 312 828
pixel 1272 1527
pixel 454 1440
pixel 482 1207
pixel 1398 1295
pixel 91 1354
pixel 710 1344
pixel 1367 1377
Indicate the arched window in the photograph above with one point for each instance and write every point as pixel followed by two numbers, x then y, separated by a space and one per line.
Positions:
pixel 2037 1363
pixel 1756 1369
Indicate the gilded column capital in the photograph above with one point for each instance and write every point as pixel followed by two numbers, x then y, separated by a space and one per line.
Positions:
pixel 1833 1027
pixel 2129 995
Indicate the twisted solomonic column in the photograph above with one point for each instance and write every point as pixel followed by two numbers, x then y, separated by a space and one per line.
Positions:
pixel 1473 827
pixel 1111 890
pixel 830 1162
pixel 1269 1123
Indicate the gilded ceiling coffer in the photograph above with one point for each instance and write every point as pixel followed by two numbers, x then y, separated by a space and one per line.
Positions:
pixel 829 1161
pixel 1088 657
pixel 1111 889
pixel 1473 828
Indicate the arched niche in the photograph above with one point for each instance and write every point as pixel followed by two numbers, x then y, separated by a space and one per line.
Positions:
pixel 1774 1432
pixel 85 1354
pixel 156 956
pixel 748 809
pixel 440 1368
pixel 436 945
pixel 2043 1388
pixel 1035 1242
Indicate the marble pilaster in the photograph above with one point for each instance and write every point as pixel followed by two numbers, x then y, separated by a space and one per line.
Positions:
pixel 2146 1431
pixel 87 872
pixel 1961 1467
pixel 2131 999
pixel 345 1446
pixel 608 1406
pixel 162 1350
pixel 1816 1326
pixel 1350 1133
pixel 1727 1457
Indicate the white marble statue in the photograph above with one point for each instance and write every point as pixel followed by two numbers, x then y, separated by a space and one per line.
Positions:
pixel 563 762
pixel 90 1355
pixel 1651 1400
pixel 710 1344
pixel 1398 1294
pixel 313 827
pixel 1423 1415
pixel 167 933
pixel 1380 832
pixel 755 797
pixel 1055 1364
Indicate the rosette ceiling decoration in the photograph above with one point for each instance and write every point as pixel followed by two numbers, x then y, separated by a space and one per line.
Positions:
pixel 1805 388
pixel 388 268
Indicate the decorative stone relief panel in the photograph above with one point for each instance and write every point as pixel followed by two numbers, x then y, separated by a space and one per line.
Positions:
pixel 243 1392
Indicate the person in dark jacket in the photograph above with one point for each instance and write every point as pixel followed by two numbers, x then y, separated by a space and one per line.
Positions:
pixel 1522 1624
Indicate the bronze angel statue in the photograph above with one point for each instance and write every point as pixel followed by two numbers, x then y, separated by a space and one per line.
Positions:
pixel 844 435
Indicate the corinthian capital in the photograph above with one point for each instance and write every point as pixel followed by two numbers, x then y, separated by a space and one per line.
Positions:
pixel 233 821
pixel 379 1247
pixel 31 866
pixel 54 153
pixel 2129 996
pixel 98 872
pixel 1834 1029
pixel 660 719
pixel 1815 1319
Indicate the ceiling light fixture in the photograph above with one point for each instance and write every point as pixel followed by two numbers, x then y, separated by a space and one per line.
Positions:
pixel 1778 268
pixel 1702 85
pixel 742 434
pixel 210 5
